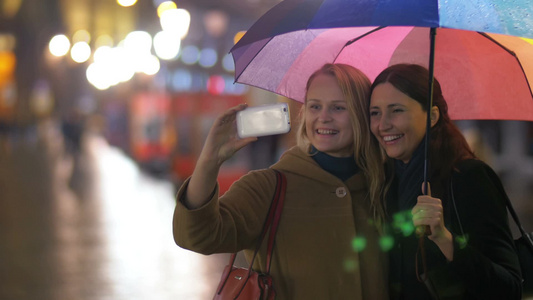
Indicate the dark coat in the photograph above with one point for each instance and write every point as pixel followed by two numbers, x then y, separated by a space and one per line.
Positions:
pixel 484 264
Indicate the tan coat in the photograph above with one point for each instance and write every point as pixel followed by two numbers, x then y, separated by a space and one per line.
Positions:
pixel 321 233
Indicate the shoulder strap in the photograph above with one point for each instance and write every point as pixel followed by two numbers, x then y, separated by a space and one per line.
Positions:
pixel 280 198
pixel 525 236
pixel 510 207
pixel 272 221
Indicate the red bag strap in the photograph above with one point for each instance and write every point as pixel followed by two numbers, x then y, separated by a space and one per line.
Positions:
pixel 272 221
pixel 282 187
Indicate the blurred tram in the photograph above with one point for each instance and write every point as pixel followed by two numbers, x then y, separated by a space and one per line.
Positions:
pixel 167 134
pixel 152 137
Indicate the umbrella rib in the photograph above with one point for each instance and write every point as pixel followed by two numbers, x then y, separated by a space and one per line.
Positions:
pixel 255 55
pixel 348 43
pixel 512 53
pixel 237 77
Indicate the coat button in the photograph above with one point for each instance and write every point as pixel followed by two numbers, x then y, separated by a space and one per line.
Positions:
pixel 341 192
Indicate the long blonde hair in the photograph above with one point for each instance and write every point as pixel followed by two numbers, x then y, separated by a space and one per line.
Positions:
pixel 355 86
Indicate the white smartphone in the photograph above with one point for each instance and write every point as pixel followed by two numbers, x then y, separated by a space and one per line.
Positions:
pixel 264 120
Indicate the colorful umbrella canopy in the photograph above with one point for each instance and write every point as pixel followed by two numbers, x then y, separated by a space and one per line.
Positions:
pixel 483 66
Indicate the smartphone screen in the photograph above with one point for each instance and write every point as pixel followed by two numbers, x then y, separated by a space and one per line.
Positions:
pixel 264 120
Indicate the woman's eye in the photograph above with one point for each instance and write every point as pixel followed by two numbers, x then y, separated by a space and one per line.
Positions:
pixel 374 113
pixel 339 108
pixel 396 110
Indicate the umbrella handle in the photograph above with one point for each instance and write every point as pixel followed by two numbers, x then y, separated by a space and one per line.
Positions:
pixel 423 230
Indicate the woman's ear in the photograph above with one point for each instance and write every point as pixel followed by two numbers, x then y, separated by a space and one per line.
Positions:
pixel 434 115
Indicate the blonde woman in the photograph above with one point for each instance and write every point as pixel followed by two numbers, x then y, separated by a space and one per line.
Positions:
pixel 327 241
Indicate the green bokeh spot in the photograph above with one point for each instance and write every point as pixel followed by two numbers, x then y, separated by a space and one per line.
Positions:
pixel 386 243
pixel 397 218
pixel 462 240
pixel 403 222
pixel 350 265
pixel 358 244
pixel 407 228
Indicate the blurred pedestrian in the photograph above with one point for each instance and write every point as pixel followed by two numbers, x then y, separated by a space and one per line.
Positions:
pixel 72 128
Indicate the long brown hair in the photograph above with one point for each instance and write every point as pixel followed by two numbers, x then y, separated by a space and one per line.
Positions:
pixel 355 87
pixel 447 145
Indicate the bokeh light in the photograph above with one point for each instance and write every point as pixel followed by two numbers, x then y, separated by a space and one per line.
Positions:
pixel 126 3
pixel 238 36
pixel 8 61
pixel 138 43
pixel 403 222
pixel 386 243
pixel 462 240
pixel 181 80
pixel 59 45
pixel 80 52
pixel 149 65
pixel 7 41
pixel 111 66
pixel 96 75
pixel 358 244
pixel 166 45
pixel 351 265
pixel 216 85
pixel 208 57
pixel 101 53
pixel 103 40
pixel 227 63
pixel 164 6
pixel 176 21
pixel 118 61
pixel 216 23
pixel 119 65
pixel 81 35
pixel 190 55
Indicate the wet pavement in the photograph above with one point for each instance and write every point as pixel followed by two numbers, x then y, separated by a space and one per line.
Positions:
pixel 91 227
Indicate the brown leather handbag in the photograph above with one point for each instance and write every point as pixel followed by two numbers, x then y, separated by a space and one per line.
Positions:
pixel 247 284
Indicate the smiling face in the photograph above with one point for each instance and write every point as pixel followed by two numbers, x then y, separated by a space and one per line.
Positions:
pixel 327 120
pixel 397 121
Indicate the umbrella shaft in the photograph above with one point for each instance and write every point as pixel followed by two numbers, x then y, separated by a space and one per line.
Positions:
pixel 432 34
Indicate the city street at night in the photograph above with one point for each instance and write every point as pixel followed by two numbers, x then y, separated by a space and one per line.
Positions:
pixel 97 229
pixel 107 107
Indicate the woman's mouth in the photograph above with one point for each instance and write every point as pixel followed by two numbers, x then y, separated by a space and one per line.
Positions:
pixel 391 138
pixel 327 131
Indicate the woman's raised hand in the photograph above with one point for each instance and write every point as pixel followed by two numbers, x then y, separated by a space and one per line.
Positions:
pixel 222 141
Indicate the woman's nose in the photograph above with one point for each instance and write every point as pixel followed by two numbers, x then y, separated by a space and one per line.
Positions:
pixel 324 115
pixel 384 123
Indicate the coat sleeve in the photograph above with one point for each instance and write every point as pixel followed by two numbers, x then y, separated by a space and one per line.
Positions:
pixel 227 224
pixel 486 260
